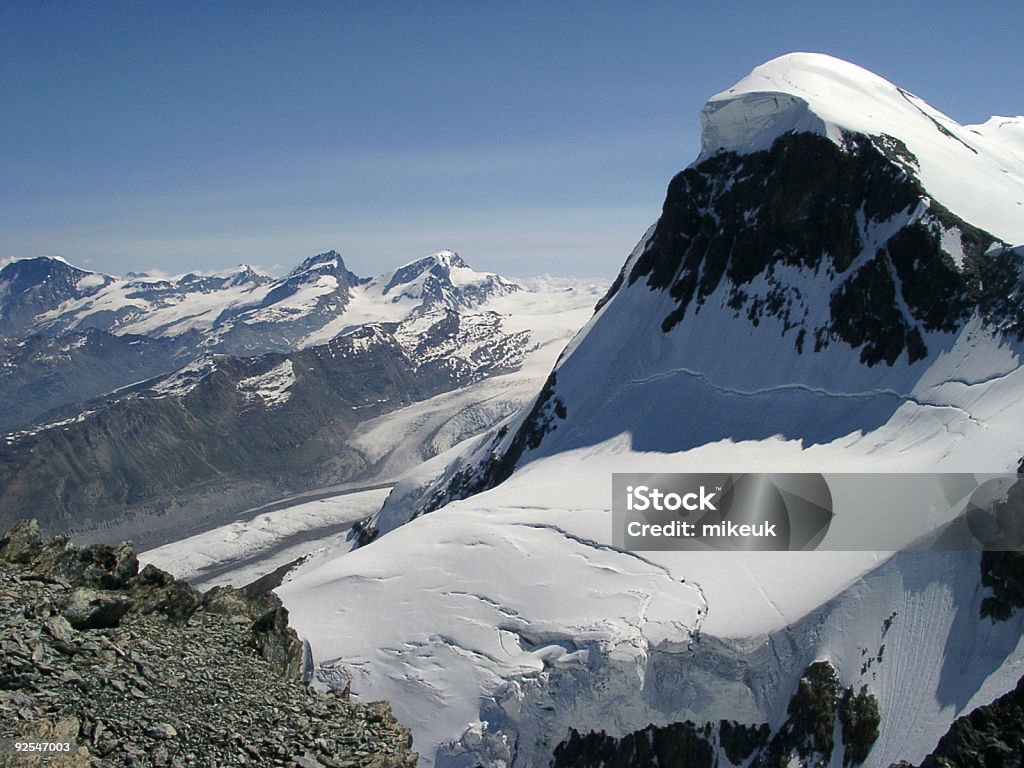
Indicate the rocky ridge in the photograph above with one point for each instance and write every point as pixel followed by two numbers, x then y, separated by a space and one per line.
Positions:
pixel 133 668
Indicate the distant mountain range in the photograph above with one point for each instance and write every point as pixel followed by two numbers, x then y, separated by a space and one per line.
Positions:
pixel 237 313
pixel 139 397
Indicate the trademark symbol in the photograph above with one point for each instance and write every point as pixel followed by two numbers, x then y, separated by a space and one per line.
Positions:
pixel 718 487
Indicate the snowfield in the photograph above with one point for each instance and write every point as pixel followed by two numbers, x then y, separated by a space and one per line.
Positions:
pixel 500 621
pixel 242 551
pixel 497 623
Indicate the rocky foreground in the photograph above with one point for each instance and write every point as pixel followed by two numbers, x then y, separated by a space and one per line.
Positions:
pixel 133 668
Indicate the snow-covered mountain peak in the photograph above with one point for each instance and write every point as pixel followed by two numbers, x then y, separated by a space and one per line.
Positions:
pixel 244 274
pixel 819 93
pixel 327 263
pixel 29 287
pixel 441 264
pixel 448 259
pixel 39 268
pixel 975 173
pixel 1006 131
pixel 818 272
pixel 441 279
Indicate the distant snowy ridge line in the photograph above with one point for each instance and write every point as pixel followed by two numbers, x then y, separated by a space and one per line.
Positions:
pixel 62 344
pixel 244 311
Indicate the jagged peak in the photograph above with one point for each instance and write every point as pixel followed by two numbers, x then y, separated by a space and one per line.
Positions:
pixel 441 265
pixel 245 273
pixel 36 263
pixel 445 259
pixel 449 258
pixel 328 262
pixel 328 259
pixel 243 269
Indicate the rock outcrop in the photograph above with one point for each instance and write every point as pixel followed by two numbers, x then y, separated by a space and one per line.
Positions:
pixel 134 668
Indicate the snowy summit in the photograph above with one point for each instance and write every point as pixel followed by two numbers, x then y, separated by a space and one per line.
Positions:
pixel 974 170
pixel 831 287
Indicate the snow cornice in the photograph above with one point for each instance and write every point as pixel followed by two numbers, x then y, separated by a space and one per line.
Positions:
pixel 975 171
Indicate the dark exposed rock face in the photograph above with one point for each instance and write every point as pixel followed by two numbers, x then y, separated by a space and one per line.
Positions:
pixel 225 420
pixel 808 730
pixel 740 741
pixel 809 203
pixel 860 720
pixel 43 373
pixel 853 217
pixel 1002 572
pixel 680 745
pixel 990 736
pixel 807 735
pixel 177 679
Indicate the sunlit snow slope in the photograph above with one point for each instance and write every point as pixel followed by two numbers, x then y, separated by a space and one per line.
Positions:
pixel 831 287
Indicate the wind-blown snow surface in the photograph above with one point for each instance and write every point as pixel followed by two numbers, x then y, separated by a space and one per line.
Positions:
pixel 512 615
pixel 496 623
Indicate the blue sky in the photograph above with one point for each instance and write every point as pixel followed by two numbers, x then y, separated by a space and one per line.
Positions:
pixel 529 137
